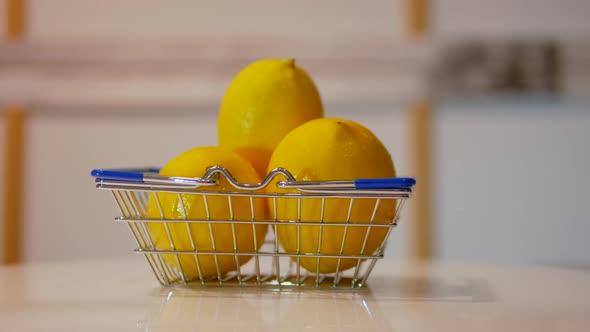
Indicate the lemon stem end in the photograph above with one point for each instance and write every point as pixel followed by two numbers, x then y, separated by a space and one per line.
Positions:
pixel 290 62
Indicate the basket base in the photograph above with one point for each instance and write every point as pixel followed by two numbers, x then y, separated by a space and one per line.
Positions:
pixel 270 281
pixel 268 275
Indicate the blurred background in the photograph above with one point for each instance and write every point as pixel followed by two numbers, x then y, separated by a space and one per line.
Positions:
pixel 485 102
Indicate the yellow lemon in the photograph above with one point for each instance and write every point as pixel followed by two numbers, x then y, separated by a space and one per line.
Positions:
pixel 332 149
pixel 194 163
pixel 263 103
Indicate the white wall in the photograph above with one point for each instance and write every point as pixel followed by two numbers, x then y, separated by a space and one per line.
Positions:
pixel 511 182
pixel 212 21
pixel 231 20
pixel 68 218
pixel 510 18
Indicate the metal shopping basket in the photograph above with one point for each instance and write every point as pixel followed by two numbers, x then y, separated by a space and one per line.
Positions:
pixel 269 264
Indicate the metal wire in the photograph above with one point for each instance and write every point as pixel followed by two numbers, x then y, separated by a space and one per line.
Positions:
pixel 168 259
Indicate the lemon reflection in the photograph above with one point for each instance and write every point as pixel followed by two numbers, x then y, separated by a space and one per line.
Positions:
pixel 264 310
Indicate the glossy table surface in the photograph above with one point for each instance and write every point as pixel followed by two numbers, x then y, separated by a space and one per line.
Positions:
pixel 122 295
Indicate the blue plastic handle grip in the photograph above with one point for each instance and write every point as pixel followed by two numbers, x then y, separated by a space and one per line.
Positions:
pixel 106 174
pixel 389 183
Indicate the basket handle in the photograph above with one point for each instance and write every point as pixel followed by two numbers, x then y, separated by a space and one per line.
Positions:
pixel 148 176
pixel 388 183
pixel 118 175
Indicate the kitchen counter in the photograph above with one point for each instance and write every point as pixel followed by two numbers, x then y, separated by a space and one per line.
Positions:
pixel 122 295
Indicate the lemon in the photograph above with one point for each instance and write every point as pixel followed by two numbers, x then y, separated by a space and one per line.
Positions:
pixel 263 103
pixel 331 149
pixel 194 163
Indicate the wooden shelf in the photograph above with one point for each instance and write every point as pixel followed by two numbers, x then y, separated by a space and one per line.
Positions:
pixel 179 75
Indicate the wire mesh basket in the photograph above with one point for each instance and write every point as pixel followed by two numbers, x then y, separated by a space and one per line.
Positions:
pixel 274 233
